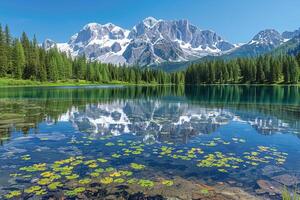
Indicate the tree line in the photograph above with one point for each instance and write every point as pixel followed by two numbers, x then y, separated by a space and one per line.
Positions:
pixel 261 70
pixel 22 58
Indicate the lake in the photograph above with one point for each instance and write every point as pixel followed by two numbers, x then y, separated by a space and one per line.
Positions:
pixel 117 142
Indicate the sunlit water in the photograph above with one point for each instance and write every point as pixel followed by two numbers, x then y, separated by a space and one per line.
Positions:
pixel 125 140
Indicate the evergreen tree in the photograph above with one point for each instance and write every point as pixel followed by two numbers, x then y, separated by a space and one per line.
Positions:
pixel 3 54
pixel 18 61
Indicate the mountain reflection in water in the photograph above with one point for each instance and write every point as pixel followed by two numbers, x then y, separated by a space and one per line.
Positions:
pixel 106 141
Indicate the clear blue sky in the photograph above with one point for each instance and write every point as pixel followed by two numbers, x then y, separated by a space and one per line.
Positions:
pixel 235 20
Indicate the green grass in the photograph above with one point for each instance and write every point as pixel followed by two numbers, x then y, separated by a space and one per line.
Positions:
pixel 10 82
pixel 286 195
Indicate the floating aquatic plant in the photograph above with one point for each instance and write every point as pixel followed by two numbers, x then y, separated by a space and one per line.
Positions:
pixel 93 165
pixel 222 170
pixel 167 182
pixel 33 189
pixel 146 183
pixel 54 185
pixel 41 192
pixel 26 157
pixel 204 191
pixel 15 175
pixel 34 168
pixel 109 144
pixel 72 177
pixel 137 166
pixel 109 169
pixel 47 174
pixel 115 174
pixel 106 180
pixel 132 181
pixel 115 155
pixel 94 174
pixel 99 170
pixel 44 181
pixel 102 160
pixel 125 173
pixel 13 194
pixel 84 181
pixel 119 180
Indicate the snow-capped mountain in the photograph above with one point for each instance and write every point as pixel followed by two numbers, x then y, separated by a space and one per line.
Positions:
pixel 263 42
pixel 291 34
pixel 149 42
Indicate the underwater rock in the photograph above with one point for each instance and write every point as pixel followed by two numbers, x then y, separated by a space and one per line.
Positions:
pixel 56 136
pixel 268 187
pixel 40 148
pixel 287 179
pixel 234 193
pixel 71 151
pixel 271 169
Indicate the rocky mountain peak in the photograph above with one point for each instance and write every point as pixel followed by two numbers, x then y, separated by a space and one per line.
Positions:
pixel 268 36
pixel 149 42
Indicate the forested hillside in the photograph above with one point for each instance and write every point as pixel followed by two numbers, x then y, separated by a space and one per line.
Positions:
pixel 25 59
pixel 260 70
pixel 22 58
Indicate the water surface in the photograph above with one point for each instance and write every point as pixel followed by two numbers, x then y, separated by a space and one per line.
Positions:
pixel 104 142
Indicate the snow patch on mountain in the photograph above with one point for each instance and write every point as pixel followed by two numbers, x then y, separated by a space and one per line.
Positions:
pixel 149 42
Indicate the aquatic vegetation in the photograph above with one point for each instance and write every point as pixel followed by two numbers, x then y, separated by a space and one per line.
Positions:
pixel 109 169
pixel 106 180
pixel 109 144
pixel 219 160
pixel 146 183
pixel 125 173
pixel 211 144
pixel 115 174
pixel 74 192
pixel 89 162
pixel 45 181
pixel 41 192
pixel 94 174
pixel 26 157
pixel 76 162
pixel 79 190
pixel 32 189
pixel 85 181
pixel 72 177
pixel 287 195
pixel 13 194
pixel 34 168
pixel 99 170
pixel 204 191
pixel 115 155
pixel 222 170
pixel 132 181
pixel 54 185
pixel 121 144
pixel 137 166
pixel 119 180
pixel 102 160
pixel 93 165
pixel 167 182
pixel 136 152
pixel 47 174
pixel 15 175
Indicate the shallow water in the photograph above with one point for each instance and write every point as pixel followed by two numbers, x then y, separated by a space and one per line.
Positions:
pixel 147 137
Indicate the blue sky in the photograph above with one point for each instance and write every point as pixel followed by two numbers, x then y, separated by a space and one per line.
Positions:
pixel 235 20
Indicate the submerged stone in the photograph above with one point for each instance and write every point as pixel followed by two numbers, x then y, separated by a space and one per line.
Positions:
pixel 287 179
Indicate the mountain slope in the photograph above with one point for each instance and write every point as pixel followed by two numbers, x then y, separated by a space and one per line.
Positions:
pixel 150 42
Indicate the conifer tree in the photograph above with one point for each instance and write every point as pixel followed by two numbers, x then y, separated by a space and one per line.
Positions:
pixel 18 61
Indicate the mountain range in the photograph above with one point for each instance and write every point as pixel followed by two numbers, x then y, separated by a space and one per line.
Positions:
pixel 162 43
